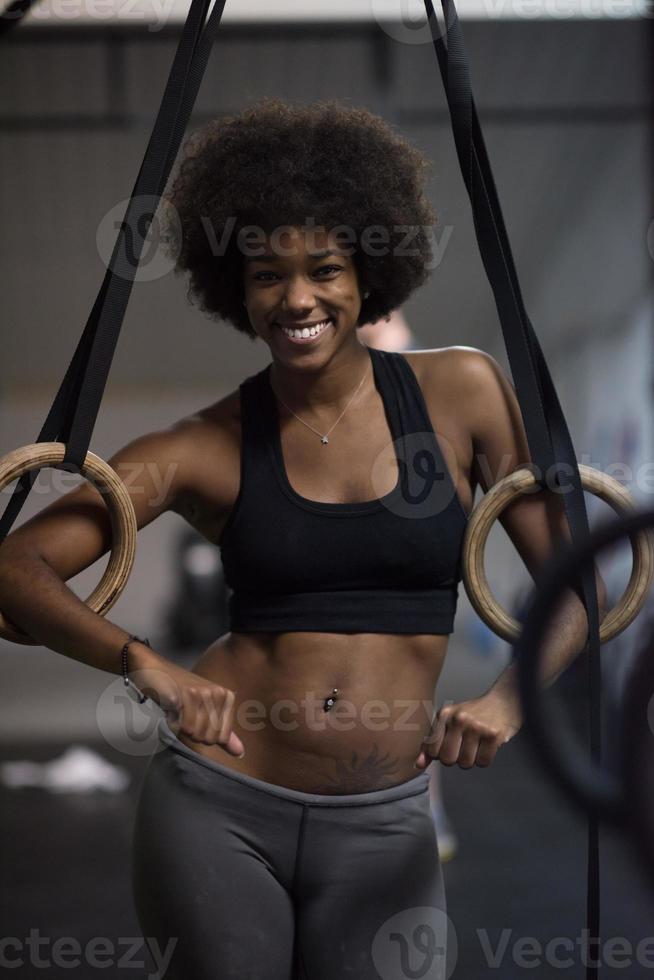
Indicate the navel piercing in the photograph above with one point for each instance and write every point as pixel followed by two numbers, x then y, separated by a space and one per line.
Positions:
pixel 329 702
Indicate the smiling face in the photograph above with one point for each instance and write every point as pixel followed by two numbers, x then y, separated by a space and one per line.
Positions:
pixel 302 282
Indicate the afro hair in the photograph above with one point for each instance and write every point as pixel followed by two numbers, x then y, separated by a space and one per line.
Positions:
pixel 276 164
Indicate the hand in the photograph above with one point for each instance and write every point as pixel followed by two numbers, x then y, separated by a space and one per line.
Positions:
pixel 193 705
pixel 470 733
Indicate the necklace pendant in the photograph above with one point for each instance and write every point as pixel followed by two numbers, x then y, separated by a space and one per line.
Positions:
pixel 324 440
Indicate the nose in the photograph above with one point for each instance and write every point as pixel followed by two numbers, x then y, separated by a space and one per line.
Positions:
pixel 298 296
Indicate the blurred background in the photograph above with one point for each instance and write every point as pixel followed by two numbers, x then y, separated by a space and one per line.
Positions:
pixel 564 95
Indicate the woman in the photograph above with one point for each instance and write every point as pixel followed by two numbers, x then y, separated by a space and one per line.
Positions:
pixel 282 828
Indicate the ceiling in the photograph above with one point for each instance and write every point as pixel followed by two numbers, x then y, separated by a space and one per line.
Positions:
pixel 407 15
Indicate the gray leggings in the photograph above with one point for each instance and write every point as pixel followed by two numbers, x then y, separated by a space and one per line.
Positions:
pixel 255 881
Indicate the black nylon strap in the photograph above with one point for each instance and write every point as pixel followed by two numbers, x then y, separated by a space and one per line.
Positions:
pixel 13 14
pixel 547 433
pixel 72 417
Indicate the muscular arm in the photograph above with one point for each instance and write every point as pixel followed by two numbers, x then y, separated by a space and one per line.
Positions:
pixel 69 535
pixel 471 732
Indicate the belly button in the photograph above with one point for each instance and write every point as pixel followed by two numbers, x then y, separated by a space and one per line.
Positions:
pixel 329 702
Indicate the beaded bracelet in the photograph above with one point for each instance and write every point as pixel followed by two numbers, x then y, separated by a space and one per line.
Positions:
pixel 123 653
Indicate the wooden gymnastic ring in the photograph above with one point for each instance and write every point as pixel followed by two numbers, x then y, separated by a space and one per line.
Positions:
pixel 121 512
pixel 494 502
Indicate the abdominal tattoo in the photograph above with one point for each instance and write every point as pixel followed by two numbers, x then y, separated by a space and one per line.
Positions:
pixel 360 774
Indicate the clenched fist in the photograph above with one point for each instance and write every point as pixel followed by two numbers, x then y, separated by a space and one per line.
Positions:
pixel 469 733
pixel 192 704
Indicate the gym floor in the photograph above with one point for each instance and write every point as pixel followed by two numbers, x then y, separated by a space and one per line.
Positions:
pixel 517 883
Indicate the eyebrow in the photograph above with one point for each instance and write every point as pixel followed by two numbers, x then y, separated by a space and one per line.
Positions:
pixel 267 257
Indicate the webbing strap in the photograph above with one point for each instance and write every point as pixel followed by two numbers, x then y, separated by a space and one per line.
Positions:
pixel 72 416
pixel 550 445
pixel 12 15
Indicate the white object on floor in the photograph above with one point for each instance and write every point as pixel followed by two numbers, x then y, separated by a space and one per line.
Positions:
pixel 77 770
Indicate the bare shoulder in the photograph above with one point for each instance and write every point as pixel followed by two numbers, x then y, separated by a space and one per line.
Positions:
pixel 460 365
pixel 211 440
pixel 467 379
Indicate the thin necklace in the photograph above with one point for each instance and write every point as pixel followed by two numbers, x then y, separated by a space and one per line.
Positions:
pixel 324 437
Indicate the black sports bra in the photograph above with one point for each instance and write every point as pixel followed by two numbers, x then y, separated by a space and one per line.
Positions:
pixel 389 565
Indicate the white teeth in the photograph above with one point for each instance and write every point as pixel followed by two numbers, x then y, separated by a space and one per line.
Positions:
pixel 306 331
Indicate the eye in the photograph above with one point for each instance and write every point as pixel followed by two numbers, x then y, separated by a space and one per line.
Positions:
pixel 338 268
pixel 323 268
